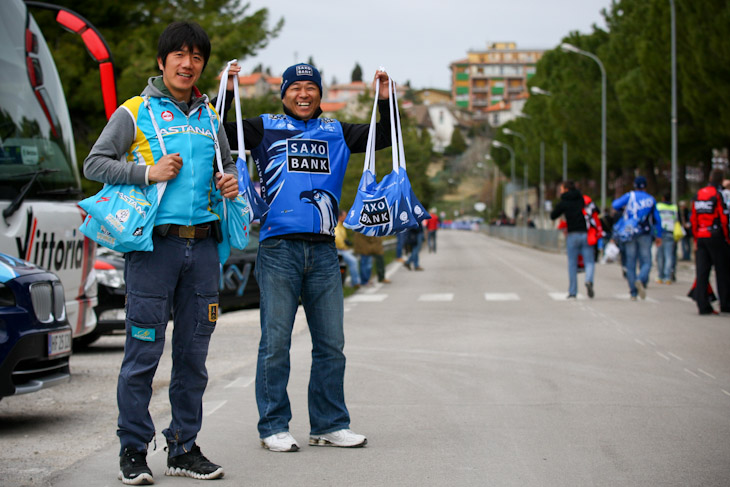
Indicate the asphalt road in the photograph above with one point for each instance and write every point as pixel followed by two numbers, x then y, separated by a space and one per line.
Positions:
pixel 475 372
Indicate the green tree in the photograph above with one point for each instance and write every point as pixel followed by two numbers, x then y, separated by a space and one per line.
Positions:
pixel 356 73
pixel 457 145
pixel 234 29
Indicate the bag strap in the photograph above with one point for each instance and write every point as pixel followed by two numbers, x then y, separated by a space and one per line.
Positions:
pixel 399 130
pixel 370 146
pixel 218 105
pixel 236 102
pixel 393 137
pixel 162 184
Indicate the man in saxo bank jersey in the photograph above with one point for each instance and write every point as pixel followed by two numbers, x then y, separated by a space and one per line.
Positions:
pixel 301 160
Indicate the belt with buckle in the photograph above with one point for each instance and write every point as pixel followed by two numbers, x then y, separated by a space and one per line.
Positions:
pixel 189 231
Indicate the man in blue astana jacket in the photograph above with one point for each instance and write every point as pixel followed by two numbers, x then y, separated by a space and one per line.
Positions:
pixel 301 160
pixel 181 273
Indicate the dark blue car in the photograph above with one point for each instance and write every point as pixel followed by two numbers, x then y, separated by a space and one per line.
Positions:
pixel 35 337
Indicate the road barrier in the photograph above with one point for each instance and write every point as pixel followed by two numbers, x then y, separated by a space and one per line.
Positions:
pixel 543 239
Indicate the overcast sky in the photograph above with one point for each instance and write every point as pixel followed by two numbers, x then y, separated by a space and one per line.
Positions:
pixel 413 40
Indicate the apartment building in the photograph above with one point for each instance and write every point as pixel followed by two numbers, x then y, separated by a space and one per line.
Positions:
pixel 496 75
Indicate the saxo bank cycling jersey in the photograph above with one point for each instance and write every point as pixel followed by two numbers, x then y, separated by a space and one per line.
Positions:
pixel 301 165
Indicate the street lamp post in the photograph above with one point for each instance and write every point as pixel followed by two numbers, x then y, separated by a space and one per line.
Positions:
pixel 502 145
pixel 541 201
pixel 674 102
pixel 525 192
pixel 509 131
pixel 571 48
pixel 536 90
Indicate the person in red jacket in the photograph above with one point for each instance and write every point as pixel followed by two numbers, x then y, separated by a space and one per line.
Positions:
pixel 712 244
pixel 432 226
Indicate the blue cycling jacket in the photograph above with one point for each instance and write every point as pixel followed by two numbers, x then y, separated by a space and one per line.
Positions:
pixel 643 211
pixel 301 166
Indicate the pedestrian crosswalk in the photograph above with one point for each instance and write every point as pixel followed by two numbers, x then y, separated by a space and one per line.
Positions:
pixel 495 297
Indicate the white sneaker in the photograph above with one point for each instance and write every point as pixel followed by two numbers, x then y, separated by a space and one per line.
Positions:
pixel 283 441
pixel 343 438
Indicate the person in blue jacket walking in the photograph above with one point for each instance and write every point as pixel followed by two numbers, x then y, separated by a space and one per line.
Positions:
pixel 301 160
pixel 639 224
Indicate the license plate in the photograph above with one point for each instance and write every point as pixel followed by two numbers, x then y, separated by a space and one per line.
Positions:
pixel 59 343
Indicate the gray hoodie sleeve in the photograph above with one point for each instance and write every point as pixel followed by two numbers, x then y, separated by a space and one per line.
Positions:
pixel 104 162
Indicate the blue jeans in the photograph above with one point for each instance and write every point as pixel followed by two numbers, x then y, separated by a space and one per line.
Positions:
pixel 638 250
pixel 665 256
pixel 577 243
pixel 351 262
pixel 413 259
pixel 432 241
pixel 366 268
pixel 180 275
pixel 400 241
pixel 287 270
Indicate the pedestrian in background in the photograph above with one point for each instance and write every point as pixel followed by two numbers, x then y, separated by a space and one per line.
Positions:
pixel 712 243
pixel 686 241
pixel 370 248
pixel 414 241
pixel 666 256
pixel 572 205
pixel 181 274
pixel 344 249
pixel 432 226
pixel 400 246
pixel 639 224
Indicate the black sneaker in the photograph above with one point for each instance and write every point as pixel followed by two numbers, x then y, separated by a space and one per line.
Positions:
pixel 193 464
pixel 133 469
pixel 589 288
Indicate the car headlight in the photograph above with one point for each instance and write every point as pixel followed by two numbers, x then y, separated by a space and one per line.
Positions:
pixel 113 278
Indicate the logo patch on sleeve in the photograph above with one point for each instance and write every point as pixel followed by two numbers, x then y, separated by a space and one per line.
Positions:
pixel 213 312
pixel 306 155
pixel 144 334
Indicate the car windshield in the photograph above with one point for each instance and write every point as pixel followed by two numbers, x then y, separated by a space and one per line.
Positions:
pixel 35 127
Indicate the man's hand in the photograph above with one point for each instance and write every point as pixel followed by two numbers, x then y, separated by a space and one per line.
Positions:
pixel 232 71
pixel 382 78
pixel 166 168
pixel 228 185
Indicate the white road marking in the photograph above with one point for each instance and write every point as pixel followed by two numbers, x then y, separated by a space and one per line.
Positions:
pixel 725 392
pixel 639 342
pixel 626 297
pixel 707 374
pixel 691 373
pixel 436 297
pixel 212 406
pixel 563 296
pixel 663 356
pixel 241 382
pixel 501 297
pixel 686 299
pixel 367 298
pixel 676 356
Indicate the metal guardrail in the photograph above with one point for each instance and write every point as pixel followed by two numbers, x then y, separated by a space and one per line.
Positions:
pixel 550 240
